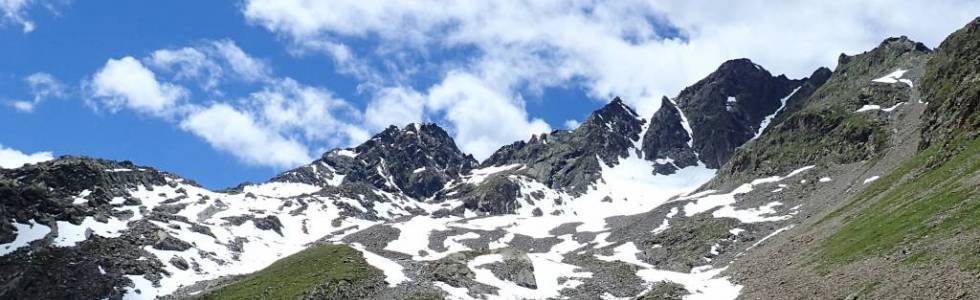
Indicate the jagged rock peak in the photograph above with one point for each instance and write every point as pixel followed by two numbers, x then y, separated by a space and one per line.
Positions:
pixel 613 110
pixel 667 142
pixel 567 159
pixel 615 120
pixel 726 108
pixel 417 160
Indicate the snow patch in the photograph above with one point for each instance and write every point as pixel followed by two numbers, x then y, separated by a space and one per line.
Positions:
pixel 394 272
pixel 26 233
pixel 894 77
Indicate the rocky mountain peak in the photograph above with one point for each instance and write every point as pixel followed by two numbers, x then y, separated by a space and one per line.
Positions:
pixel 613 127
pixel 727 108
pixel 417 160
pixel 615 110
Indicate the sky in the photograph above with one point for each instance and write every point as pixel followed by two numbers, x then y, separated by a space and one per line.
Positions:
pixel 224 92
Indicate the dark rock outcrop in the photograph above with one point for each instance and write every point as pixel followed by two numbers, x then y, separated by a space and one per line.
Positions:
pixel 666 138
pixel 727 108
pixel 950 86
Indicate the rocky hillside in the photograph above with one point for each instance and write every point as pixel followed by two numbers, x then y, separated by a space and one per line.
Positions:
pixel 899 219
pixel 857 182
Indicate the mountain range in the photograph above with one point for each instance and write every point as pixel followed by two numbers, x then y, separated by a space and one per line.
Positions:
pixel 853 183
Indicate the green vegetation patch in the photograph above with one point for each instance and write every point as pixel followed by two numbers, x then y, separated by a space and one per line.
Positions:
pixel 909 205
pixel 325 269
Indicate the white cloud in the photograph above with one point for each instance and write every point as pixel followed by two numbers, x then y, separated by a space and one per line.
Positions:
pixel 43 86
pixel 483 119
pixel 610 48
pixel 276 125
pixel 288 106
pixel 209 64
pixel 12 158
pixel 126 83
pixel 237 132
pixel 187 64
pixel 244 65
pixel 15 11
pixel 395 106
pixel 571 124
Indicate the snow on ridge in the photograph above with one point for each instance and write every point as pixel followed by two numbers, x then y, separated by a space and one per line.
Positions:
pixel 281 189
pixel 684 123
pixel 726 202
pixel 768 119
pixel 894 77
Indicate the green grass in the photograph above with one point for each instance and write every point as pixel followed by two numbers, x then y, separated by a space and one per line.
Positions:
pixel 296 275
pixel 912 204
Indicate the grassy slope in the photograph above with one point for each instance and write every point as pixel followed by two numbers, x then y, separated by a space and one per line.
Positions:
pixel 298 274
pixel 912 204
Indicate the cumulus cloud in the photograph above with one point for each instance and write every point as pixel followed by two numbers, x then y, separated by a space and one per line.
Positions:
pixel 482 118
pixel 276 125
pixel 395 105
pixel 127 83
pixel 12 158
pixel 639 50
pixel 237 132
pixel 43 86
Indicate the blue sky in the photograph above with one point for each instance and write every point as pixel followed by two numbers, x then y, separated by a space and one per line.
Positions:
pixel 223 92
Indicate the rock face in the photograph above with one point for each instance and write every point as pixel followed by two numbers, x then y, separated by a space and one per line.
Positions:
pixel 950 85
pixel 567 159
pixel 667 142
pixel 417 160
pixel 727 108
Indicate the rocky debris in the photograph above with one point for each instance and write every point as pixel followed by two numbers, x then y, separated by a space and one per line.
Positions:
pixel 727 108
pixel 268 223
pixel 686 242
pixel 516 267
pixel 374 237
pixel 451 269
pixel 167 242
pixel 93 269
pixel 179 262
pixel 496 195
pixel 614 278
pixel 529 244
pixel 665 291
pixel 667 142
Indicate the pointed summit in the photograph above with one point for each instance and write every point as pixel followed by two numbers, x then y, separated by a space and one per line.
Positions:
pixel 726 108
pixel 567 159
pixel 417 159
